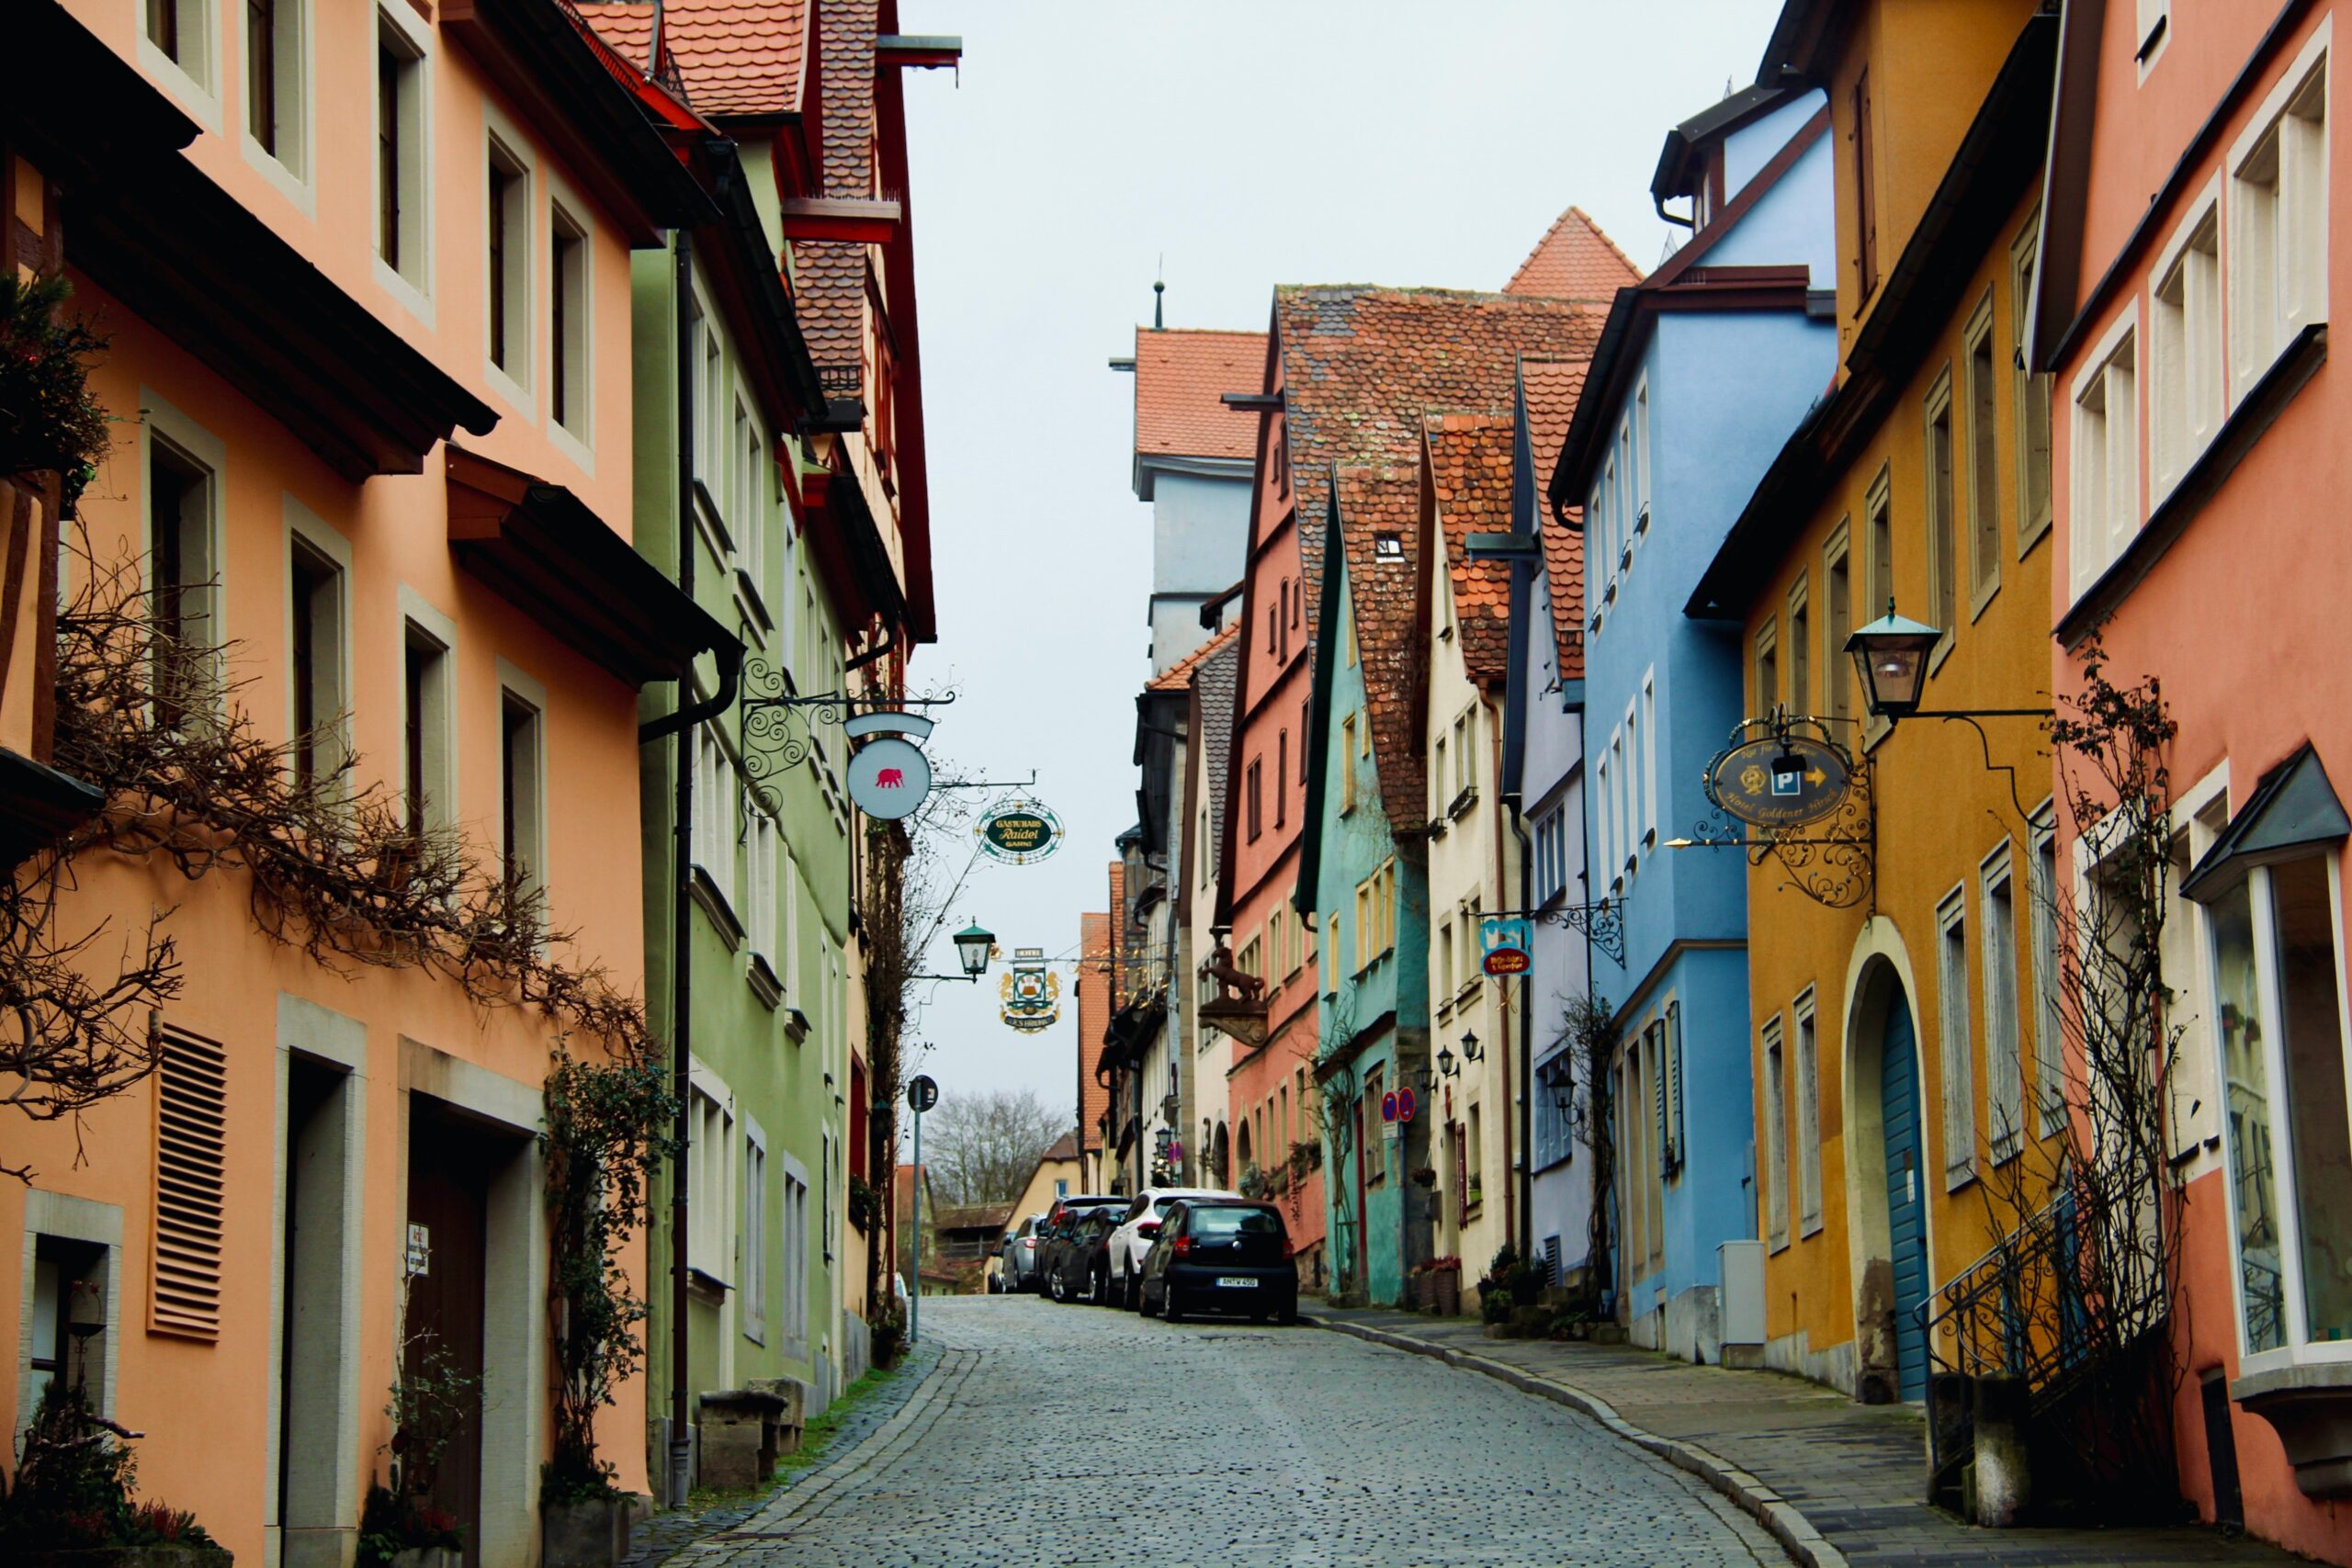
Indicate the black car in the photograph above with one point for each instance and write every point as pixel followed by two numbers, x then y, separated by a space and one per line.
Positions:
pixel 1082 1269
pixel 1222 1255
pixel 1055 1235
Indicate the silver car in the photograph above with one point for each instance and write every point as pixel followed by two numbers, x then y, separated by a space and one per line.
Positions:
pixel 1017 1256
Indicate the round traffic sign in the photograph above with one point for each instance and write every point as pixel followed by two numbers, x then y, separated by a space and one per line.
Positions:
pixel 1388 1106
pixel 1406 1105
pixel 922 1092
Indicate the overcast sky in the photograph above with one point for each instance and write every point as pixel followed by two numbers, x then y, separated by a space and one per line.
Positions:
pixel 1239 145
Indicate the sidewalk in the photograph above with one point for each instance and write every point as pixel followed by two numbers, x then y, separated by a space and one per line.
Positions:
pixel 1836 1482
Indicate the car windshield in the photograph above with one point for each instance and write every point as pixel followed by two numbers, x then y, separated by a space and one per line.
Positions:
pixel 1229 1224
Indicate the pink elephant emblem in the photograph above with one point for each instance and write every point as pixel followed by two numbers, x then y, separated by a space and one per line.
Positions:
pixel 890 778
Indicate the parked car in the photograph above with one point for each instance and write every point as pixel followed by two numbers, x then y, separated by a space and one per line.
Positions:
pixel 1080 1270
pixel 1136 1234
pixel 1061 1223
pixel 1017 1256
pixel 1220 1255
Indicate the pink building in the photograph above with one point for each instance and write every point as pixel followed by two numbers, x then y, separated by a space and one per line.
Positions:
pixel 2202 450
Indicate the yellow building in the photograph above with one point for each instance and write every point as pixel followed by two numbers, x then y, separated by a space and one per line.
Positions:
pixel 1901 1065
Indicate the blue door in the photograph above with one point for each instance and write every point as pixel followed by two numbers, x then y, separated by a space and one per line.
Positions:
pixel 1907 1200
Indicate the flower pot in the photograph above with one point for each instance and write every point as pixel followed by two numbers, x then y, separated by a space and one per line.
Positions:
pixel 1448 1294
pixel 592 1534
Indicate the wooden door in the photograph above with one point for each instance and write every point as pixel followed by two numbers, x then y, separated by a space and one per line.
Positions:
pixel 1906 1196
pixel 448 1185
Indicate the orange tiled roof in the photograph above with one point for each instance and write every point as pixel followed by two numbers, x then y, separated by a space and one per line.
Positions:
pixel 1178 677
pixel 1468 462
pixel 829 275
pixel 1553 386
pixel 736 57
pixel 1375 503
pixel 1361 366
pixel 1575 260
pixel 1180 376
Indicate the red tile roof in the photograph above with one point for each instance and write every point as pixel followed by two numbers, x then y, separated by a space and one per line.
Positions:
pixel 1574 261
pixel 1361 365
pixel 1553 386
pixel 1466 461
pixel 736 57
pixel 1180 376
pixel 1178 677
pixel 829 275
pixel 1372 504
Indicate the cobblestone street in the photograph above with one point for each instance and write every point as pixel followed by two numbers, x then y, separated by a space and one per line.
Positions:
pixel 1072 1435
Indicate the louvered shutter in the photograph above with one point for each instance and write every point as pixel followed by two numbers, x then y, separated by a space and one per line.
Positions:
pixel 191 1155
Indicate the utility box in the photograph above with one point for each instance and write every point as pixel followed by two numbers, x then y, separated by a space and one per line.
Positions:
pixel 1740 1275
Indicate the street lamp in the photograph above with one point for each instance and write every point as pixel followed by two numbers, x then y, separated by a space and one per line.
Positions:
pixel 1470 1051
pixel 1891 654
pixel 1445 1061
pixel 973 945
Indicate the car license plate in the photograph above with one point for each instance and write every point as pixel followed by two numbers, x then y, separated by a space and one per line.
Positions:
pixel 1235 1282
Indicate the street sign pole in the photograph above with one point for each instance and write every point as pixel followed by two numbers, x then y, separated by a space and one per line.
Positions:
pixel 914 1290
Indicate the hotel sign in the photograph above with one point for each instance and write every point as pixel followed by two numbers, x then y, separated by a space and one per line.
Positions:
pixel 1780 781
pixel 1019 831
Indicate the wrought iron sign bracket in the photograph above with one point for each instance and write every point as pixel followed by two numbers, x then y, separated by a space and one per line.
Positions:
pixel 1602 924
pixel 1781 775
pixel 774 744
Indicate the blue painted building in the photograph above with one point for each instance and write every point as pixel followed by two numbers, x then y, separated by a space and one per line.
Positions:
pixel 1702 371
pixel 1364 867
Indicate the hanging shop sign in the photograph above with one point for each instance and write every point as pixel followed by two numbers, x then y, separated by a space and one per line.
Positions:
pixel 1031 993
pixel 1780 781
pixel 888 777
pixel 1019 831
pixel 1505 943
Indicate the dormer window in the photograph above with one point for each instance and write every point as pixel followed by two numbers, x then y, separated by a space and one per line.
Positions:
pixel 1387 546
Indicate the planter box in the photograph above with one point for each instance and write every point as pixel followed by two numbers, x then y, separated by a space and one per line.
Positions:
pixel 129 1557
pixel 585 1535
pixel 429 1557
pixel 1448 1292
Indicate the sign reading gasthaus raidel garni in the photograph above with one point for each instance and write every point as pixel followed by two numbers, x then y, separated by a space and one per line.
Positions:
pixel 1020 831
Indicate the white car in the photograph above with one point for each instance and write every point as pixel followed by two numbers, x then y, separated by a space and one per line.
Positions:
pixel 1131 1243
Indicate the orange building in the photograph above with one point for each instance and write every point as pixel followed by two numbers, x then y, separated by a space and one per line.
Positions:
pixel 366 274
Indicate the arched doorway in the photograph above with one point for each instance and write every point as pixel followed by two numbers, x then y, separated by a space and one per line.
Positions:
pixel 1242 1147
pixel 1886 1172
pixel 1221 1158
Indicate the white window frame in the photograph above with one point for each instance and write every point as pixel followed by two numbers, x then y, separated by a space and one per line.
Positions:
pixel 412 282
pixel 291 167
pixel 529 691
pixel 195 77
pixel 424 619
pixel 1956 1038
pixel 2006 1119
pixel 2104 453
pixel 1808 1088
pixel 751 1235
pixel 1649 758
pixel 574 434
pixel 517 381
pixel 2189 378
pixel 2199 813
pixel 306 531
pixel 2151 35
pixel 1774 1071
pixel 1641 459
pixel 2277 271
pixel 191 445
pixel 2049 1087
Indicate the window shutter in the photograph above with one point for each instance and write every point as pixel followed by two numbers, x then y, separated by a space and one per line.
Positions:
pixel 191 1152
pixel 1674 1045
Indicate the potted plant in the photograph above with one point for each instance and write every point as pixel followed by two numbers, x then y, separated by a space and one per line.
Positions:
pixel 864 1204
pixel 1494 1308
pixel 1526 1281
pixel 70 1505
pixel 397 1532
pixel 435 1400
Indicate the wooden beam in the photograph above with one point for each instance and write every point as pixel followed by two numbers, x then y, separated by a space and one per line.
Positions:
pixel 918 52
pixel 853 218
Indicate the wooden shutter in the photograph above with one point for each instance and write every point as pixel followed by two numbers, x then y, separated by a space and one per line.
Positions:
pixel 1865 191
pixel 191 1158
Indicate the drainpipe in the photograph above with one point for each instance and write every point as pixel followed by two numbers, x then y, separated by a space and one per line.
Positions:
pixel 1511 1208
pixel 681 934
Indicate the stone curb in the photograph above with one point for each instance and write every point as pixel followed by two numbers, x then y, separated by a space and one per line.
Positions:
pixel 1776 1514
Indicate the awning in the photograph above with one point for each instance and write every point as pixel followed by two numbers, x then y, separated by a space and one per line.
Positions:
pixel 546 553
pixel 2291 812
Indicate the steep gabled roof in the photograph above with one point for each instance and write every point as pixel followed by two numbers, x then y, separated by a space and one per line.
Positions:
pixel 1216 685
pixel 735 57
pixel 1467 472
pixel 1575 260
pixel 1370 507
pixel 1553 387
pixel 829 275
pixel 1178 677
pixel 1179 378
pixel 1361 365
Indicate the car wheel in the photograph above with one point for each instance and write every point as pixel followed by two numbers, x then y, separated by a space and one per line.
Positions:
pixel 1055 1286
pixel 1130 1290
pixel 1102 1287
pixel 1167 1307
pixel 1288 1314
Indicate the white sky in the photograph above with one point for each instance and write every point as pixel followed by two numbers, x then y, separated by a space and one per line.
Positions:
pixel 1250 143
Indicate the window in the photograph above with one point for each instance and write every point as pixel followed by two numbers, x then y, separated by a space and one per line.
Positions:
pixel 506 274
pixel 2187 380
pixel 795 1257
pixel 274 85
pixel 1603 804
pixel 1649 758
pixel 568 317
pixel 2276 977
pixel 424 715
pixel 521 795
pixel 1624 473
pixel 1865 195
pixel 713 833
pixel 1642 460
pixel 711 1175
pixel 1776 1136
pixel 1984 459
pixel 747 507
pixel 2048 1038
pixel 2029 394
pixel 1466 752
pixel 1808 1119
pixel 752 1241
pixel 1388 547
pixel 1958 1044
pixel 1348 764
pixel 70 1286
pixel 1445 962
pixel 1943 544
pixel 761 897
pixel 191 1187
pixel 1253 797
pixel 1880 507
pixel 1768 666
pixel 1838 688
pixel 1282 778
pixel 401 156
pixel 2106 462
pixel 180 31
pixel 2278 222
pixel 316 664
pixel 1366 948
pixel 1551 856
pixel 1437 778
pixel 2004 1071
pixel 1305 708
pixel 1800 647
pixel 182 494
pixel 2154 21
